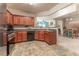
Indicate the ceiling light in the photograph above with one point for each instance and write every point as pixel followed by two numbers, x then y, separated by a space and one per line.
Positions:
pixel 31 3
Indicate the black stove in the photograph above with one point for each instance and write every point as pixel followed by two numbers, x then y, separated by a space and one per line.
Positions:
pixel 30 35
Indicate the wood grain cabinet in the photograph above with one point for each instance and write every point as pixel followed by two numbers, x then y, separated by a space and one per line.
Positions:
pixel 4 39
pixel 16 37
pixel 20 36
pixel 16 20
pixel 32 22
pixel 53 38
pixel 41 35
pixel 46 37
pixel 9 18
pixel 36 35
pixel 21 20
pixel 50 37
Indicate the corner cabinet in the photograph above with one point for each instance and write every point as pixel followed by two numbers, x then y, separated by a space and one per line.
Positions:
pixel 49 37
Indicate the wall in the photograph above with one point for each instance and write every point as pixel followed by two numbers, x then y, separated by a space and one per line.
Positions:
pixel 73 22
pixel 2 7
pixel 2 11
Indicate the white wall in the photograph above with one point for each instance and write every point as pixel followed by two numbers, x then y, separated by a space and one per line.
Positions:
pixel 2 7
pixel 72 22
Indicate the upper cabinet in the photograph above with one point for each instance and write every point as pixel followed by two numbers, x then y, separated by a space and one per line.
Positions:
pixel 9 18
pixel 21 20
pixel 18 20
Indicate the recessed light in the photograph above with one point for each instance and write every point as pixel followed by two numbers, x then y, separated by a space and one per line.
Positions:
pixel 31 3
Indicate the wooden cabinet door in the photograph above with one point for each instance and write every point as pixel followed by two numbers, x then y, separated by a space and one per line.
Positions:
pixel 16 20
pixel 46 37
pixel 16 37
pixel 26 21
pixel 41 35
pixel 37 35
pixel 24 36
pixel 9 18
pixel 19 36
pixel 53 38
pixel 4 39
pixel 21 20
pixel 32 22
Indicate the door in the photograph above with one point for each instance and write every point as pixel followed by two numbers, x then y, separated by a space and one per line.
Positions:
pixel 46 36
pixel 41 35
pixel 9 18
pixel 53 38
pixel 16 20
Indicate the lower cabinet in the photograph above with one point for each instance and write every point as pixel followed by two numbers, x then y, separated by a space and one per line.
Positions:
pixel 4 39
pixel 46 37
pixel 53 38
pixel 41 35
pixel 37 35
pixel 16 37
pixel 20 36
pixel 49 37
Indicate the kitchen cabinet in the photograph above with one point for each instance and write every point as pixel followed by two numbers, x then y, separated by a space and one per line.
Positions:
pixel 19 20
pixel 20 36
pixel 9 18
pixel 16 20
pixel 32 22
pixel 50 37
pixel 4 39
pixel 53 38
pixel 37 35
pixel 24 36
pixel 22 20
pixel 46 36
pixel 41 35
pixel 16 37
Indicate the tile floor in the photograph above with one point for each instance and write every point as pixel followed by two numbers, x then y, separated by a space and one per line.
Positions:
pixel 3 51
pixel 69 43
pixel 65 47
pixel 37 48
